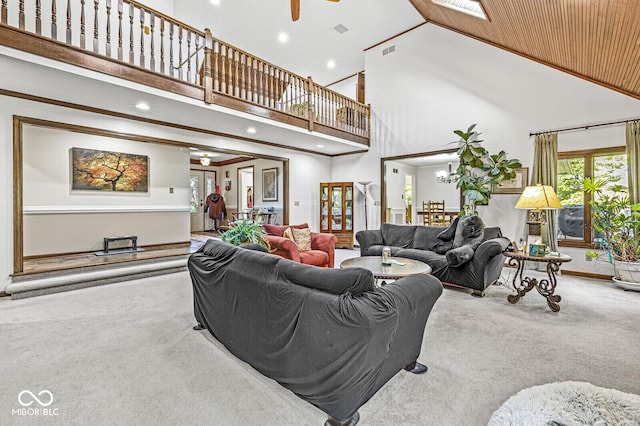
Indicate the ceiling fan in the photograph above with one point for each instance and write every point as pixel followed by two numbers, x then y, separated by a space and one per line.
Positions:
pixel 295 8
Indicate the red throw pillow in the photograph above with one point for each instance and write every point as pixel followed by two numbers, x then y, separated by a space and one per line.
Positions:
pixel 279 230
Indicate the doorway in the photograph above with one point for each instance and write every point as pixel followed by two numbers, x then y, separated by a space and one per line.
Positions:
pixel 424 169
pixel 201 184
pixel 245 191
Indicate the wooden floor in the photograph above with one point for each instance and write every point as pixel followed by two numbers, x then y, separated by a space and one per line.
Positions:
pixel 81 260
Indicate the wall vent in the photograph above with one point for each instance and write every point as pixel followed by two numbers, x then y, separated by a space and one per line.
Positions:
pixel 388 50
pixel 341 28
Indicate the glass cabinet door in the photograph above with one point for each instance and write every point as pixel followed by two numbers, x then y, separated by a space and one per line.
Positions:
pixel 348 208
pixel 336 208
pixel 324 207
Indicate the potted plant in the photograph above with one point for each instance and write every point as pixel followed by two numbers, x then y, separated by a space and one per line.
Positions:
pixel 245 232
pixel 478 170
pixel 617 224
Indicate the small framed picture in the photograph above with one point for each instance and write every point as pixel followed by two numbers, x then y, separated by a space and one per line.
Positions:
pixel 270 184
pixel 513 186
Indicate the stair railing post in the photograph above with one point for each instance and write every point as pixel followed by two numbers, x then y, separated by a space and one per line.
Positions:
pixel 310 106
pixel 208 81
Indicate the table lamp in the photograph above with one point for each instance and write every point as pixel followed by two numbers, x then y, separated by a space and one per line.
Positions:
pixel 538 198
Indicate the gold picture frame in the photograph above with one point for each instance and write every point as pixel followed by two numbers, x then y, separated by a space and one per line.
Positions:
pixel 513 186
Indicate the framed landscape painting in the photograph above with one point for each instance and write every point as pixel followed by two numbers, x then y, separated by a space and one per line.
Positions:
pixel 110 171
pixel 513 186
pixel 270 184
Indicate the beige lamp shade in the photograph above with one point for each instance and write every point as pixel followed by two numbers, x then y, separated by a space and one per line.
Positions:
pixel 539 197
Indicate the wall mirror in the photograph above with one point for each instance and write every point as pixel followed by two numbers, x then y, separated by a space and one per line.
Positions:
pixel 411 179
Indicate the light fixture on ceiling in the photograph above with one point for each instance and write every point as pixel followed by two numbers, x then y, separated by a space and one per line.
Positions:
pixel 215 2
pixel 143 106
pixel 283 37
pixel 251 130
pixel 442 176
pixel 331 64
pixel 470 7
pixel 320 145
pixel 205 160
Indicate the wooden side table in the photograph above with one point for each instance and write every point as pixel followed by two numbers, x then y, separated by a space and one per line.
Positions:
pixel 546 287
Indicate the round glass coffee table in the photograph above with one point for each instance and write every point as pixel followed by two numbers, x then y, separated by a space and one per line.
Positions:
pixel 400 267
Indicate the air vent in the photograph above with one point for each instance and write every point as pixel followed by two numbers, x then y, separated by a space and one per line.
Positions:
pixel 388 50
pixel 341 28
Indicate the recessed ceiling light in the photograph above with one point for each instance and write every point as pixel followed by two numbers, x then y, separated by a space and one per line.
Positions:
pixel 251 130
pixel 320 146
pixel 215 2
pixel 470 7
pixel 283 37
pixel 331 64
pixel 143 106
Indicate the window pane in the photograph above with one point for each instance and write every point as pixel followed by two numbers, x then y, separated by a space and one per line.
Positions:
pixel 571 217
pixel 612 169
pixel 193 194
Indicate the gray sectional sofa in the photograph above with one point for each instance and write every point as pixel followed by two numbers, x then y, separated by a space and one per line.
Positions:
pixel 328 335
pixel 422 243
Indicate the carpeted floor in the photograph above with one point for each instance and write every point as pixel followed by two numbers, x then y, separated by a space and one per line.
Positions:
pixel 125 354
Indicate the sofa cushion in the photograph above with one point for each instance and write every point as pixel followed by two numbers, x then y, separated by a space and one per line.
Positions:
pixel 492 232
pixel 302 238
pixel 314 257
pixel 431 258
pixel 470 231
pixel 425 237
pixel 337 281
pixel 397 235
pixel 278 230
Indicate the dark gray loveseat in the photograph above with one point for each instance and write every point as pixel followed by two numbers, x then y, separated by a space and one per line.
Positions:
pixel 419 242
pixel 328 335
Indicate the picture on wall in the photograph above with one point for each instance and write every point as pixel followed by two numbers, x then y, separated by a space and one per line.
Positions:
pixel 515 185
pixel 108 171
pixel 270 184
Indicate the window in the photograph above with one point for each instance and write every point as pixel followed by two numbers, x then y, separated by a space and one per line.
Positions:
pixel 574 220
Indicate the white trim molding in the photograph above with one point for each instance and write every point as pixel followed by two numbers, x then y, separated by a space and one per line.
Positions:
pixel 33 210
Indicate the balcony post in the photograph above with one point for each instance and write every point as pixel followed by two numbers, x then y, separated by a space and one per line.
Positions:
pixel 310 106
pixel 368 128
pixel 207 80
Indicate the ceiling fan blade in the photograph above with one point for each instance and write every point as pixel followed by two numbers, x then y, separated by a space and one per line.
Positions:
pixel 295 9
pixel 335 1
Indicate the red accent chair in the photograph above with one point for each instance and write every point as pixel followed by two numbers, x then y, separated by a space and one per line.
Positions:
pixel 322 251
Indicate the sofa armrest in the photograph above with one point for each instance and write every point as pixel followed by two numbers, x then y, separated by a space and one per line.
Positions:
pixel 368 238
pixel 490 248
pixel 283 247
pixel 325 243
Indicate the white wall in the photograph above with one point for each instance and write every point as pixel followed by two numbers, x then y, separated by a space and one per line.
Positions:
pixel 307 171
pixel 347 87
pixel 427 188
pixel 52 210
pixel 437 81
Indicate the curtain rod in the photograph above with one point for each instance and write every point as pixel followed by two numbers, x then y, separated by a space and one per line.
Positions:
pixel 585 127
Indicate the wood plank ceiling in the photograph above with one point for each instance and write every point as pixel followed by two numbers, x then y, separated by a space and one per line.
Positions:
pixel 598 40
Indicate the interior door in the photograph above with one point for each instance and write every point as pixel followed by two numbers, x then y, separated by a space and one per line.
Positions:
pixel 201 184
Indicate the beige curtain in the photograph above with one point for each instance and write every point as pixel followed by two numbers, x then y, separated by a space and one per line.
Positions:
pixel 633 160
pixel 545 171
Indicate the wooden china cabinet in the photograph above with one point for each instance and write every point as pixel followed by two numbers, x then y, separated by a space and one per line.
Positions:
pixel 336 211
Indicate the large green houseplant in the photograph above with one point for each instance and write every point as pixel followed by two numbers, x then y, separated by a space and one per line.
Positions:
pixel 616 222
pixel 478 170
pixel 245 232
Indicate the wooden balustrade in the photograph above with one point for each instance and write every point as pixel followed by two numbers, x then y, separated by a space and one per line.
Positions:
pixel 194 57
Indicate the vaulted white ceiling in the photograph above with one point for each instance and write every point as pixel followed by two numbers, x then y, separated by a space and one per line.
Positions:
pixel 254 26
